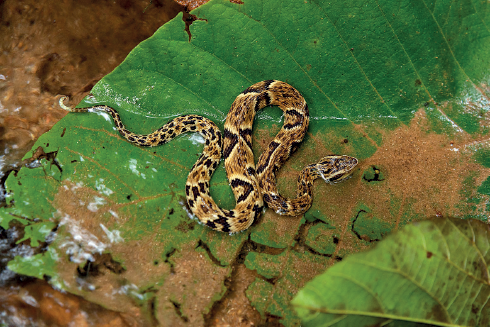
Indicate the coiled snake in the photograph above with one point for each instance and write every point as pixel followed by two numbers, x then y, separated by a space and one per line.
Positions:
pixel 251 186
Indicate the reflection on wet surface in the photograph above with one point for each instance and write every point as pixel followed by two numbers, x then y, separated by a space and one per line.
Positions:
pixel 36 303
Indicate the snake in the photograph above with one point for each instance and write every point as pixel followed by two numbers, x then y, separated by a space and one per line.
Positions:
pixel 252 185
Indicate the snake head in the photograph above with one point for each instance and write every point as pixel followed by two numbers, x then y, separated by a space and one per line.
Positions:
pixel 334 169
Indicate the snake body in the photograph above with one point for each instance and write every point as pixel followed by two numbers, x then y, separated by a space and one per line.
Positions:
pixel 250 186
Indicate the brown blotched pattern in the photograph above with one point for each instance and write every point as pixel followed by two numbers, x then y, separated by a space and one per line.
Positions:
pixel 250 185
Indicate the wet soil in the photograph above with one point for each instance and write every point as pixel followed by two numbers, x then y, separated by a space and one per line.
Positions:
pixel 35 303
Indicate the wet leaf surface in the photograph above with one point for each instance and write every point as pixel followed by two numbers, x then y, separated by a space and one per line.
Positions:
pixel 431 272
pixel 397 86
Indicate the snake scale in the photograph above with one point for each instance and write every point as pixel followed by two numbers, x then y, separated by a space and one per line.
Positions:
pixel 251 185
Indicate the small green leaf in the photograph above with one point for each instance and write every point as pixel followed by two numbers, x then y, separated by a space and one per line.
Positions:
pixel 433 272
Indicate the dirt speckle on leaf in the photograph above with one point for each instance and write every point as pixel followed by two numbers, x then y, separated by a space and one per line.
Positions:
pixel 191 290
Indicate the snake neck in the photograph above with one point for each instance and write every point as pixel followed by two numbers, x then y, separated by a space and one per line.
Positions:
pixel 303 200
pixel 305 182
pixel 332 169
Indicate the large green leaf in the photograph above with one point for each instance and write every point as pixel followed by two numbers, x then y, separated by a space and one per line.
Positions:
pixel 401 86
pixel 435 272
